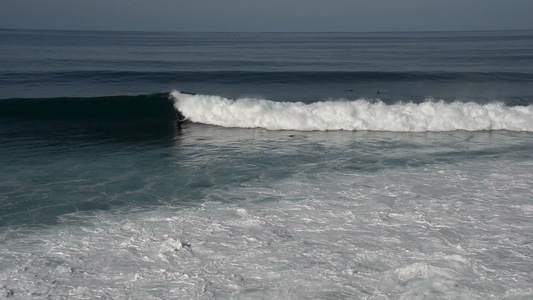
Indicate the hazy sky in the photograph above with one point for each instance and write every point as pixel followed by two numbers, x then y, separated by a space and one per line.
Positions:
pixel 267 15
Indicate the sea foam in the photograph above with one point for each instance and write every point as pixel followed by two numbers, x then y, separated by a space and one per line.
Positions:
pixel 361 114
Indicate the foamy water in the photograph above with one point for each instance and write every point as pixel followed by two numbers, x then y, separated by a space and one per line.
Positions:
pixel 425 225
pixel 353 115
pixel 310 186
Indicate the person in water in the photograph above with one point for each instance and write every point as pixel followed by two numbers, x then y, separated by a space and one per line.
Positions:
pixel 181 117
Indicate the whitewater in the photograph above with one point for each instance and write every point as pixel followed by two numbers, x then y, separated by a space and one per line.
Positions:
pixel 226 213
pixel 292 178
pixel 358 114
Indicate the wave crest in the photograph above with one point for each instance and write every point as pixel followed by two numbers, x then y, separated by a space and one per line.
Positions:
pixel 352 115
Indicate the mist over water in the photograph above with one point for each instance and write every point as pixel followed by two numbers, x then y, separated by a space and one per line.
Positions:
pixel 291 179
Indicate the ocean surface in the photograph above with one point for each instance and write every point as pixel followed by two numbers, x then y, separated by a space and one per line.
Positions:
pixel 311 165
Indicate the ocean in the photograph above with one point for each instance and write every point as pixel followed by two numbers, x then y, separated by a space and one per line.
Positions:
pixel 393 165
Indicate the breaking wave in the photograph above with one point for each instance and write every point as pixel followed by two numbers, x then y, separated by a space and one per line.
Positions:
pixel 359 114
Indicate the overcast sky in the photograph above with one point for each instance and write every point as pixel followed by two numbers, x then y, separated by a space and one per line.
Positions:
pixel 267 15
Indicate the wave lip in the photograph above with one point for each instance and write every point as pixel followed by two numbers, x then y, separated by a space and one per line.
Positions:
pixel 360 114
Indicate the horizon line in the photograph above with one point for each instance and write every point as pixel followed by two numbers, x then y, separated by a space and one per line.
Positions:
pixel 260 31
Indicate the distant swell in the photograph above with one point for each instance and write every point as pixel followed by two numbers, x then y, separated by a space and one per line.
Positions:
pixel 262 77
pixel 353 115
pixel 109 108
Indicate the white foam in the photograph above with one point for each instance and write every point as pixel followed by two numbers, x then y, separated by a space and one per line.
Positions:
pixel 353 115
pixel 392 233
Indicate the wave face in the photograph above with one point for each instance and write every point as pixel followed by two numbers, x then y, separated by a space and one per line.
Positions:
pixel 360 114
pixel 154 106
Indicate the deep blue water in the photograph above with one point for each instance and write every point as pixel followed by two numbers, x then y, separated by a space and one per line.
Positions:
pixel 478 66
pixel 312 165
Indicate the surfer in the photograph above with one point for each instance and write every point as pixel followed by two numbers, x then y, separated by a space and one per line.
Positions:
pixel 181 118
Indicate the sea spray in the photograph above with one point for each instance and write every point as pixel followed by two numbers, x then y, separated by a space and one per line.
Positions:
pixel 361 114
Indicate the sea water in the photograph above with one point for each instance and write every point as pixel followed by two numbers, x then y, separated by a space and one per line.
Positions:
pixel 312 165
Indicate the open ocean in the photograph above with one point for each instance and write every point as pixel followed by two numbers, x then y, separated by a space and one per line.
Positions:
pixel 312 166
